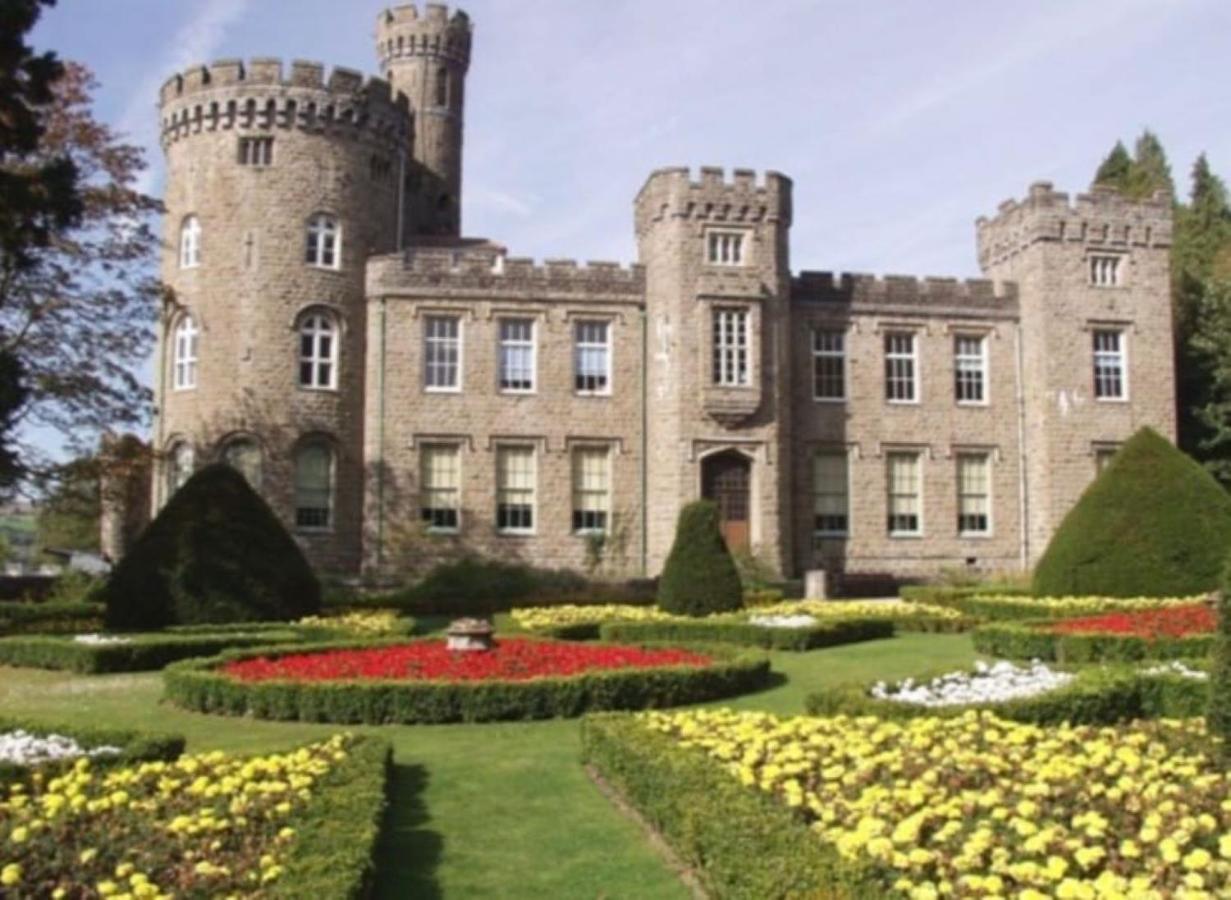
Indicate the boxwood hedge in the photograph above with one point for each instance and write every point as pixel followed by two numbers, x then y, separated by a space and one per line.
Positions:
pixel 134 746
pixel 953 595
pixel 823 634
pixel 1031 640
pixel 197 685
pixel 141 653
pixel 50 618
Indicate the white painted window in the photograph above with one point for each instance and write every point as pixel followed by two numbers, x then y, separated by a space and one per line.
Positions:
pixel 830 494
pixel 828 364
pixel 905 494
pixel 243 454
pixel 256 151
pixel 974 494
pixel 181 460
pixel 1110 378
pixel 725 248
pixel 318 352
pixel 190 243
pixel 591 489
pixel 593 357
pixel 901 367
pixel 184 347
pixel 324 242
pixel 1105 270
pixel 314 477
pixel 441 487
pixel 517 355
pixel 442 353
pixel 731 348
pixel 515 488
pixel 970 368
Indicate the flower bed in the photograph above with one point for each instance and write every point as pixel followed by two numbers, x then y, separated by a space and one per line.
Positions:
pixel 29 746
pixel 418 681
pixel 1169 622
pixel 376 623
pixel 964 806
pixel 904 615
pixel 296 824
pixel 996 608
pixel 1171 632
pixel 727 630
pixel 572 622
pixel 996 683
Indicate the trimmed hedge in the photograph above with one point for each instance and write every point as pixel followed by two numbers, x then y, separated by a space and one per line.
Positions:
pixel 145 652
pixel 194 684
pixel 823 634
pixel 953 595
pixel 1028 640
pixel 135 746
pixel 699 577
pixel 50 618
pixel 1219 709
pixel 741 842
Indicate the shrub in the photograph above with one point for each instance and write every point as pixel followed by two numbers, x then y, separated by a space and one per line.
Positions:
pixel 823 634
pixel 141 653
pixel 1012 607
pixel 1155 523
pixel 216 553
pixel 699 577
pixel 50 618
pixel 1219 711
pixel 953 595
pixel 1033 640
pixel 134 746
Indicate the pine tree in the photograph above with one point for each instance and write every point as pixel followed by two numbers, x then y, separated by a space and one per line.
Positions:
pixel 1115 169
pixel 1150 171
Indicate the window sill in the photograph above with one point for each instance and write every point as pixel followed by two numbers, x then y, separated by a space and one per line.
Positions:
pixel 183 390
pixel 975 535
pixel 830 401
pixel 443 532
pixel 508 392
pixel 972 404
pixel 442 390
pixel 906 535
pixel 319 390
pixel 317 267
pixel 1111 400
pixel 590 532
pixel 313 532
pixel 593 395
pixel 511 533
pixel 889 402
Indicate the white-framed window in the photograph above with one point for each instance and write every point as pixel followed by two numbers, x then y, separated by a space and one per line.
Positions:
pixel 1105 270
pixel 181 460
pixel 515 488
pixel 256 151
pixel 592 354
pixel 905 493
pixel 185 342
pixel 243 454
pixel 442 353
pixel 901 367
pixel 828 364
pixel 970 368
pixel 440 500
pixel 1110 377
pixel 517 356
pixel 725 248
pixel 318 352
pixel 314 478
pixel 591 490
pixel 324 242
pixel 190 242
pixel 731 348
pixel 974 494
pixel 830 494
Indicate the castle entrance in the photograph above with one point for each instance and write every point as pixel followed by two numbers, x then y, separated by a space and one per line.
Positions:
pixel 726 478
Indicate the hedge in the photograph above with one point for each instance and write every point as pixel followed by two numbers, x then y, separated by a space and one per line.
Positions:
pixel 699 577
pixel 823 634
pixel 50 618
pixel 1028 640
pixel 953 595
pixel 143 653
pixel 135 746
pixel 194 684
pixel 741 842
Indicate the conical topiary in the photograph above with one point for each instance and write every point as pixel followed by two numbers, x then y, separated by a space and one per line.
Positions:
pixel 215 553
pixel 1218 715
pixel 700 577
pixel 1154 523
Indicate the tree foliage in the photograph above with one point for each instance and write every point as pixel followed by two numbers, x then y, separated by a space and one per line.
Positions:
pixel 68 517
pixel 1140 175
pixel 699 577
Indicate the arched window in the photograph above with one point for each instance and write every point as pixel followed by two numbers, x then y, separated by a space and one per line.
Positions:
pixel 314 486
pixel 318 352
pixel 324 246
pixel 243 454
pixel 190 243
pixel 180 461
pixel 442 86
pixel 184 356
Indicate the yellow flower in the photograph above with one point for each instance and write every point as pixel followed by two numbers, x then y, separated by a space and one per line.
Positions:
pixel 10 874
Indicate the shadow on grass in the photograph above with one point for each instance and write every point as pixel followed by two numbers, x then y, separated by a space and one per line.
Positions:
pixel 408 855
pixel 773 681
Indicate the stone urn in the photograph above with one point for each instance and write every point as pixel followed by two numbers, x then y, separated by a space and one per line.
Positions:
pixel 469 634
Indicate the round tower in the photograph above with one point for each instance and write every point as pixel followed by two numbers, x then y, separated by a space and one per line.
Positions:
pixel 279 186
pixel 425 56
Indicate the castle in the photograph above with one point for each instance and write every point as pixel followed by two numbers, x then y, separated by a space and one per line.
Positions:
pixel 393 388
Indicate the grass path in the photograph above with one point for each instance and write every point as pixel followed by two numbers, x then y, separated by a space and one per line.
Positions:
pixel 500 810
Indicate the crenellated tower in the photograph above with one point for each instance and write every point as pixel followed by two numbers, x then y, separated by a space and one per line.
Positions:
pixel 425 55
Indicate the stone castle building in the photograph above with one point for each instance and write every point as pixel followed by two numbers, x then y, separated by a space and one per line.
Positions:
pixel 397 391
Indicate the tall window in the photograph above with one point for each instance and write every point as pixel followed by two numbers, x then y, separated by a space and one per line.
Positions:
pixel 593 356
pixel 515 490
pixel 184 355
pixel 731 367
pixel 180 463
pixel 324 242
pixel 441 483
pixel 314 486
pixel 256 151
pixel 190 243
pixel 318 352
pixel 900 367
pixel 1109 375
pixel 442 353
pixel 591 489
pixel 974 489
pixel 905 494
pixel 1105 271
pixel 442 86
pixel 970 368
pixel 725 248
pixel 244 456
pixel 829 364
pixel 517 355
pixel 830 494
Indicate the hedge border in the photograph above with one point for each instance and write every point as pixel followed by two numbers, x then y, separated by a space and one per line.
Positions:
pixel 50 618
pixel 952 595
pixel 823 634
pixel 194 685
pixel 741 842
pixel 1025 640
pixel 135 746
pixel 144 653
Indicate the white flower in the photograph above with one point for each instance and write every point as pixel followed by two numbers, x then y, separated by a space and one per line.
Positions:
pixel 26 749
pixel 101 640
pixel 1176 667
pixel 783 621
pixel 994 683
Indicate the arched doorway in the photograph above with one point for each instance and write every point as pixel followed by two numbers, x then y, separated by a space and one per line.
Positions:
pixel 726 479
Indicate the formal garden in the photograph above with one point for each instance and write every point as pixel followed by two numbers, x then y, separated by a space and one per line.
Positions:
pixel 210 721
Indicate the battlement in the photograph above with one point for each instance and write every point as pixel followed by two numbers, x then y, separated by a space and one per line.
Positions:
pixel 232 94
pixel 904 292
pixel 1102 217
pixel 402 31
pixel 674 193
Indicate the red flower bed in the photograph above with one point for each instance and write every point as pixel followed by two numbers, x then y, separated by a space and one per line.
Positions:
pixel 1170 622
pixel 511 660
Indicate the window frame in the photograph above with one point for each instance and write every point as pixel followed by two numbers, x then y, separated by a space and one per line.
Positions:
pixel 1105 270
pixel 727 248
pixel 985 457
pixel 427 511
pixel 828 353
pixel 1121 357
pixel 185 353
pixel 256 151
pixel 330 509
pixel 502 490
pixel 314 360
pixel 918 531
pixel 734 358
pixel 190 242
pixel 982 370
pixel 607 348
pixel 819 533
pixel 323 234
pixel 430 340
pixel 896 356
pixel 576 453
pixel 504 343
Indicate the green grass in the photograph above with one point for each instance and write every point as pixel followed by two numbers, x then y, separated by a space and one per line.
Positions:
pixel 496 810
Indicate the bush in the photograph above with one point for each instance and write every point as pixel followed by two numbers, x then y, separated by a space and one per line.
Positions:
pixel 953 596
pixel 197 685
pixel 1155 523
pixel 1031 640
pixel 699 577
pixel 215 554
pixel 50 618
pixel 143 653
pixel 823 634
pixel 134 746
pixel 1219 711
pixel 741 842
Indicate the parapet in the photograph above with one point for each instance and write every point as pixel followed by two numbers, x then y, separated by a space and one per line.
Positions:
pixel 402 31
pixel 232 94
pixel 1102 217
pixel 674 193
pixel 905 293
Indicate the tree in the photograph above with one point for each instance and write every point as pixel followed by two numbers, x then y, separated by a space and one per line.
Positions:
pixel 1150 172
pixel 1115 169
pixel 68 518
pixel 699 577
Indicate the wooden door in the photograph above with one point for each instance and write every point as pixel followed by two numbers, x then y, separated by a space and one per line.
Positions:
pixel 725 479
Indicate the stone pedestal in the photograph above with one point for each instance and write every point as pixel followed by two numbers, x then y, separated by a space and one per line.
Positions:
pixel 816 584
pixel 469 635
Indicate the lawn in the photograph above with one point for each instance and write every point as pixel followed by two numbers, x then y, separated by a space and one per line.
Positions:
pixel 482 810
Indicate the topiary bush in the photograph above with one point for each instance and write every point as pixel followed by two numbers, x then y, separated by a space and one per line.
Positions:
pixel 1155 523
pixel 700 577
pixel 1219 713
pixel 215 554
